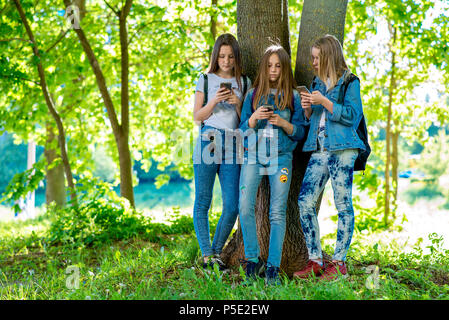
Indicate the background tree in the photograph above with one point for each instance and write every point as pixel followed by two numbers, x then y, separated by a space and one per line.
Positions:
pixel 50 102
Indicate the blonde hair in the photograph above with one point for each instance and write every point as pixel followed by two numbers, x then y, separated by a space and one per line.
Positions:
pixel 332 60
pixel 285 84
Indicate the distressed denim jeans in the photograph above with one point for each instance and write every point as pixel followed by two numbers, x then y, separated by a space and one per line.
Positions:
pixel 205 172
pixel 250 178
pixel 338 166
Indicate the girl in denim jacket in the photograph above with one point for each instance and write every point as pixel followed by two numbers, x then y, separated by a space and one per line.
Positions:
pixel 334 142
pixel 217 116
pixel 272 123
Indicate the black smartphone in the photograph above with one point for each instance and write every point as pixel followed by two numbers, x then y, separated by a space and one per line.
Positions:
pixel 227 85
pixel 270 107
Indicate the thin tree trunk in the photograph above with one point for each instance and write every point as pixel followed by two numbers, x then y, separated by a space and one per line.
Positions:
pixel 55 189
pixel 121 132
pixel 213 20
pixel 394 166
pixel 50 105
pixel 388 136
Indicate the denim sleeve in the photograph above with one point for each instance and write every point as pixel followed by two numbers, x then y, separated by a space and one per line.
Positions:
pixel 298 120
pixel 247 111
pixel 350 111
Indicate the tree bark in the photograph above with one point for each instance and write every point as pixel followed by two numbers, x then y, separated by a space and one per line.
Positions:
pixel 318 18
pixel 256 22
pixel 50 105
pixel 388 137
pixel 213 20
pixel 394 167
pixel 259 24
pixel 55 189
pixel 120 131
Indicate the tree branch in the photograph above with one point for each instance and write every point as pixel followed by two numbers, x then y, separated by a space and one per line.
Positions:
pixel 17 39
pixel 62 35
pixel 20 78
pixel 112 8
pixel 99 76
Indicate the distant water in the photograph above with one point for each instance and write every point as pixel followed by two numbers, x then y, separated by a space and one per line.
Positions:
pixel 146 195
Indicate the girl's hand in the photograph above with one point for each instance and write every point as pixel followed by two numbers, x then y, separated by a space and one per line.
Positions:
pixel 317 98
pixel 276 120
pixel 306 100
pixel 262 113
pixel 221 95
pixel 233 99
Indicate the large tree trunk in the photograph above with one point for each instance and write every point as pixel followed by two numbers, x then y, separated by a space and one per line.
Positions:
pixel 256 22
pixel 55 189
pixel 259 24
pixel 319 17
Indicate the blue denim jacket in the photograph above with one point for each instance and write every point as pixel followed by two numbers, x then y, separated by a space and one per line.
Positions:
pixel 341 125
pixel 286 143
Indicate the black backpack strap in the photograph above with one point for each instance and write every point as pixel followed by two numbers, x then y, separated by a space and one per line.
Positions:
pixel 205 88
pixel 245 86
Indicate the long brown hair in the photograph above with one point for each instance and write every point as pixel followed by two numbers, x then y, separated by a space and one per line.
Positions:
pixel 332 60
pixel 227 39
pixel 286 82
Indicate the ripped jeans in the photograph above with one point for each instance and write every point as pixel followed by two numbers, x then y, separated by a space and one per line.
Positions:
pixel 339 167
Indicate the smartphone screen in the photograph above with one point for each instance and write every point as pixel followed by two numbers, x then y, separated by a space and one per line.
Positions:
pixel 268 106
pixel 227 85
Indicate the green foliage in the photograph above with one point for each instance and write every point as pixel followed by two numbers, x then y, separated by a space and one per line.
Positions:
pixel 102 217
pixel 23 183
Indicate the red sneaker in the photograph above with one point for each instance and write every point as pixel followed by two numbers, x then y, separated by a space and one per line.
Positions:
pixel 311 268
pixel 334 271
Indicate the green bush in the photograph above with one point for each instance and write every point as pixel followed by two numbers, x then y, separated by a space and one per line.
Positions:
pixel 102 217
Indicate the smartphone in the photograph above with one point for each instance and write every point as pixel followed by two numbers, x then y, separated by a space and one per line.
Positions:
pixel 268 106
pixel 227 85
pixel 302 89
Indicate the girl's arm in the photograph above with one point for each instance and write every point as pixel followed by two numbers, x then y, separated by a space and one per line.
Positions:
pixel 347 113
pixel 201 113
pixel 351 110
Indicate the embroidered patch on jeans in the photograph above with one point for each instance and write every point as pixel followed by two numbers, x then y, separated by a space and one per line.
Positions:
pixel 283 178
pixel 284 170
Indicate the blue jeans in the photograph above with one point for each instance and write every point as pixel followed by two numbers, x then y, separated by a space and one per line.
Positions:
pixel 205 172
pixel 280 180
pixel 338 166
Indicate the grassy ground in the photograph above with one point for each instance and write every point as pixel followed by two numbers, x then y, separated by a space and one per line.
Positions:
pixel 30 268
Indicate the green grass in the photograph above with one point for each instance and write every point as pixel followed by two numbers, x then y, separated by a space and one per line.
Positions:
pixel 136 268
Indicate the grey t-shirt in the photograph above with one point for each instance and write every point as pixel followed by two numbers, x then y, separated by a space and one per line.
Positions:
pixel 224 115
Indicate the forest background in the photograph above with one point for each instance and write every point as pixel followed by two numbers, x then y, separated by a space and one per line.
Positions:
pixel 399 50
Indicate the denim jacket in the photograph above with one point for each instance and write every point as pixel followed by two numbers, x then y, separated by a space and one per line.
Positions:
pixel 341 125
pixel 286 143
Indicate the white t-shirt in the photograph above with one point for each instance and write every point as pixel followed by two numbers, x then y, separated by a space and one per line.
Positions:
pixel 323 114
pixel 224 115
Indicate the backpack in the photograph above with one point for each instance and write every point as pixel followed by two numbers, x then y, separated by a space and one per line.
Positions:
pixel 362 131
